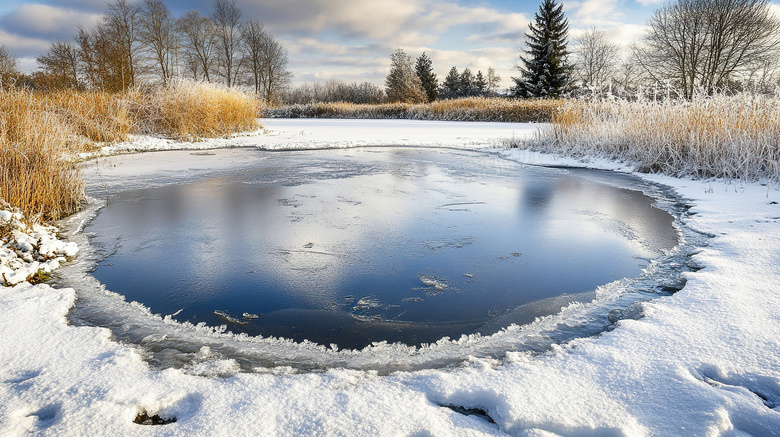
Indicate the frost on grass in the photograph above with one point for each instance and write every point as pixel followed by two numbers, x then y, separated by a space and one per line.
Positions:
pixel 29 251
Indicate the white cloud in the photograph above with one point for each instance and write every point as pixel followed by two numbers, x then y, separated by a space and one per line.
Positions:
pixel 651 2
pixel 19 45
pixel 599 13
pixel 46 21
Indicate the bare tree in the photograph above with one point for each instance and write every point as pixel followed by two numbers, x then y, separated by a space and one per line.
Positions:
pixel 7 67
pixel 198 41
pixel 596 58
pixel 157 32
pixel 493 81
pixel 253 39
pixel 707 43
pixel 61 64
pixel 120 29
pixel 227 22
pixel 274 74
pixel 101 58
pixel 402 83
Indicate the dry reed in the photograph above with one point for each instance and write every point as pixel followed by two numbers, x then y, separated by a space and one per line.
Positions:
pixel 466 109
pixel 736 137
pixel 96 115
pixel 40 133
pixel 192 110
pixel 34 174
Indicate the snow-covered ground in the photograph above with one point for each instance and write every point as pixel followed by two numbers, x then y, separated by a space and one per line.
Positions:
pixel 705 361
pixel 28 248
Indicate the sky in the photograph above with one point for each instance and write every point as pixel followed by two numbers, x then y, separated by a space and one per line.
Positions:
pixel 352 40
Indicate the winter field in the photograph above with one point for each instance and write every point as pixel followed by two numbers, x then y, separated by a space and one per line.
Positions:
pixel 704 361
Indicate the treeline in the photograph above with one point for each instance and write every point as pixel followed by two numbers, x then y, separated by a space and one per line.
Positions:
pixel 144 42
pixel 690 47
pixel 411 80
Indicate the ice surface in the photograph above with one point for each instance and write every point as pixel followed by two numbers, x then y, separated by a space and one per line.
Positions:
pixel 703 361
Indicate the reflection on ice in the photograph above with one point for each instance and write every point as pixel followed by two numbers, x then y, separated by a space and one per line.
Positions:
pixel 376 248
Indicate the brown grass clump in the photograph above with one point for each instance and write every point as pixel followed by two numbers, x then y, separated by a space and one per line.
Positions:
pixel 496 109
pixel 41 132
pixel 735 137
pixel 466 109
pixel 192 110
pixel 35 174
pixel 97 115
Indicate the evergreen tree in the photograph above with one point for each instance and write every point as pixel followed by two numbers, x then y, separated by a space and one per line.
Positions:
pixel 467 88
pixel 402 83
pixel 430 83
pixel 480 84
pixel 545 72
pixel 451 85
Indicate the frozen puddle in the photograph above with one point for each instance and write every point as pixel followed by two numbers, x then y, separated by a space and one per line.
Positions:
pixel 368 258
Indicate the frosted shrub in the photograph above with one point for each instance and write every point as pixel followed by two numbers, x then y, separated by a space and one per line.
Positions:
pixel 191 110
pixel 735 137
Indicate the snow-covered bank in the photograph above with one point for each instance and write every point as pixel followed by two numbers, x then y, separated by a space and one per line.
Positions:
pixel 705 361
pixel 28 248
pixel 288 134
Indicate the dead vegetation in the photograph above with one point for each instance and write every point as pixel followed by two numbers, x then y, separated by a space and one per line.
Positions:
pixel 40 133
pixel 465 109
pixel 733 137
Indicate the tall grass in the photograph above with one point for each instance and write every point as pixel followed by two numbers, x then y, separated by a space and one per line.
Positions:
pixel 40 133
pixel 466 109
pixel 734 137
pixel 95 115
pixel 34 141
pixel 191 110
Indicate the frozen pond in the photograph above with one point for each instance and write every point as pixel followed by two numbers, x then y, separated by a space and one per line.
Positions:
pixel 378 244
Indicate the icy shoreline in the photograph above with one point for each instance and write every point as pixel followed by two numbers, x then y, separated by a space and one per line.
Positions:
pixel 705 361
pixel 30 249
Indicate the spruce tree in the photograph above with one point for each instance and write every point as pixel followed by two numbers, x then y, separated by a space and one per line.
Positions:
pixel 545 71
pixel 480 83
pixel 467 88
pixel 451 85
pixel 430 83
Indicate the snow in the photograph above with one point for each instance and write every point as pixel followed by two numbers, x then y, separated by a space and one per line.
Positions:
pixel 28 248
pixel 288 134
pixel 704 361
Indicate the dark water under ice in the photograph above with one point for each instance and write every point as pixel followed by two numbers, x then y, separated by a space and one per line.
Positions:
pixel 378 244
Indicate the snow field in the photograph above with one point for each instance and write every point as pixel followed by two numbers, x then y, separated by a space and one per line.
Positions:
pixel 705 361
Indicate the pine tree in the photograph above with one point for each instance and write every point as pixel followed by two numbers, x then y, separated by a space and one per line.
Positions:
pixel 480 84
pixel 467 88
pixel 402 83
pixel 430 83
pixel 545 72
pixel 451 85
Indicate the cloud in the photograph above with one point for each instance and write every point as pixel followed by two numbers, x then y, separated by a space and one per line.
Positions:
pixel 599 13
pixel 22 46
pixel 43 21
pixel 349 18
pixel 651 2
